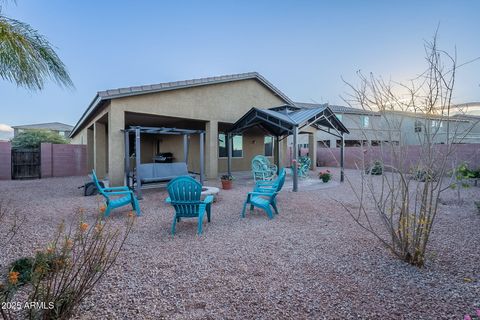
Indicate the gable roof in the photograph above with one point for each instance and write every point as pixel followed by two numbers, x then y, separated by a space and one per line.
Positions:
pixel 56 126
pixel 102 96
pixel 337 108
pixel 280 121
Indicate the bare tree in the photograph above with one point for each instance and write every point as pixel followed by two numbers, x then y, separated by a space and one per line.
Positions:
pixel 406 195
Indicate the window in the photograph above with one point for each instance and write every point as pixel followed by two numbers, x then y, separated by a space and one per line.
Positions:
pixel 268 142
pixel 222 145
pixel 418 126
pixel 237 147
pixel 339 116
pixel 61 133
pixel 437 123
pixel 365 121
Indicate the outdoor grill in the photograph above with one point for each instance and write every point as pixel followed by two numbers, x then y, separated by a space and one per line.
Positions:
pixel 165 157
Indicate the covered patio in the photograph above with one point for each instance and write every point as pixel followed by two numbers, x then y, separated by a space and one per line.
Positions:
pixel 137 131
pixel 287 120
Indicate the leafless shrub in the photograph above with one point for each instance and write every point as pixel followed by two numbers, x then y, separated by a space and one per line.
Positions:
pixel 10 222
pixel 407 206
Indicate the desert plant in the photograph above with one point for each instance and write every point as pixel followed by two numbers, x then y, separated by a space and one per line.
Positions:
pixel 227 177
pixel 406 208
pixel 461 176
pixel 63 274
pixel 325 176
pixel 424 174
pixel 32 139
pixel 375 169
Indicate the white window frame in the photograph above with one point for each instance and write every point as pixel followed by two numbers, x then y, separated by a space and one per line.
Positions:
pixel 365 121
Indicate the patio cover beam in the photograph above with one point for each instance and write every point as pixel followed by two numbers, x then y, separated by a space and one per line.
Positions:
pixel 138 187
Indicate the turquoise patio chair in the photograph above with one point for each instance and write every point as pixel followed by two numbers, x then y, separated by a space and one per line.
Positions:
pixel 264 195
pixel 114 202
pixel 262 169
pixel 184 195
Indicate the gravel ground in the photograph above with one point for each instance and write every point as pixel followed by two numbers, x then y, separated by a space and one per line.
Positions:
pixel 311 261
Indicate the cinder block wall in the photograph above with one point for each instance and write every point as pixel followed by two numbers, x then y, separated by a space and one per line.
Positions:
pixel 330 157
pixel 63 160
pixel 5 160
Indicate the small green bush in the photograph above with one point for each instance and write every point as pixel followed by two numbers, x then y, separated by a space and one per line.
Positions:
pixel 375 169
pixel 24 267
pixel 32 139
pixel 423 175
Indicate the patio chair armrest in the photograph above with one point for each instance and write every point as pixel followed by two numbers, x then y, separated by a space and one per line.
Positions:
pixel 264 183
pixel 168 200
pixel 265 194
pixel 124 188
pixel 208 199
pixel 265 189
pixel 119 192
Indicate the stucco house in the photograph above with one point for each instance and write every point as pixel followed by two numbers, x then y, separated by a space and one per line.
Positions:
pixel 57 127
pixel 211 104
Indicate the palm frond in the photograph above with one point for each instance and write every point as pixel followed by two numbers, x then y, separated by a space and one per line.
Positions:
pixel 27 58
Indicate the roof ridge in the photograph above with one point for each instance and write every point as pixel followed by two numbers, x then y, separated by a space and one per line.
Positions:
pixel 167 84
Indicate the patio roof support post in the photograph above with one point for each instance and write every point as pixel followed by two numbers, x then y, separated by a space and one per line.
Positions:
pixel 138 187
pixel 202 157
pixel 229 148
pixel 276 148
pixel 295 159
pixel 185 148
pixel 342 159
pixel 127 157
pixel 312 149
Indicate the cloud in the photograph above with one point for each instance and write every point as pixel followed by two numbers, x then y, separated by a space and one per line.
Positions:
pixel 6 132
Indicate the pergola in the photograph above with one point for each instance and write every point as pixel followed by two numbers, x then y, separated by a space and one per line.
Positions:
pixel 138 130
pixel 287 120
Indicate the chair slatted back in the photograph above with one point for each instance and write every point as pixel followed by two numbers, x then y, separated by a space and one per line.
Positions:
pixel 185 195
pixel 99 187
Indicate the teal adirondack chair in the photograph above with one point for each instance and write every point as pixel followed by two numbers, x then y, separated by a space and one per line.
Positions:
pixel 303 166
pixel 264 195
pixel 184 195
pixel 262 169
pixel 113 202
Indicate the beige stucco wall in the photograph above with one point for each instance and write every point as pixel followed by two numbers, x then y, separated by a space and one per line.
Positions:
pixel 225 102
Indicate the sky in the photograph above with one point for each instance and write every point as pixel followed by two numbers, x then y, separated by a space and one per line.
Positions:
pixel 304 48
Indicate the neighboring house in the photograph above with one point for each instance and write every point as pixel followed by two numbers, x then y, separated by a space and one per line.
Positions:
pixel 470 130
pixel 211 104
pixel 469 108
pixel 364 127
pixel 414 127
pixel 60 128
pixel 371 127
